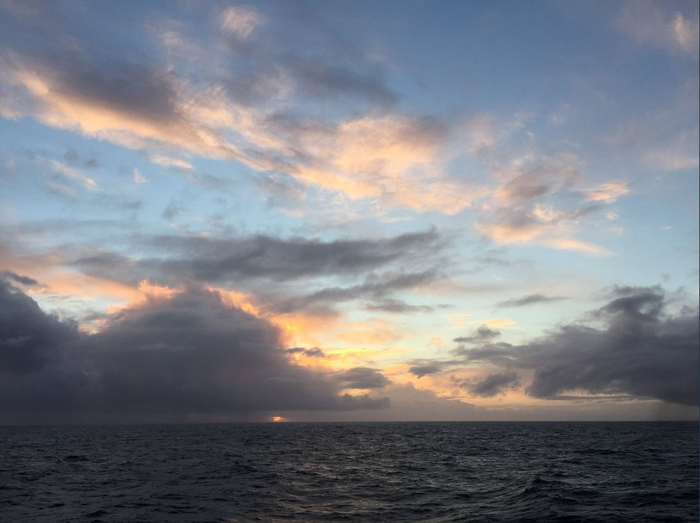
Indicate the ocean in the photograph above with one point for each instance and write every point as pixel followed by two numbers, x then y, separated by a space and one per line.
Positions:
pixel 538 472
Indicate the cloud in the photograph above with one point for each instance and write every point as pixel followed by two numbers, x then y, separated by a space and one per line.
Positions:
pixel 494 384
pixel 28 335
pixel 653 23
pixel 322 80
pixel 530 299
pixel 167 161
pixel 482 334
pixel 549 175
pixel 181 354
pixel 608 192
pixel 235 259
pixel 537 202
pixel 240 21
pixel 677 153
pixel 171 211
pixel 74 174
pixel 362 378
pixel 17 278
pixel 378 288
pixel 314 352
pixel 635 347
pixel 395 306
pixel 426 367
pixel 139 178
pixel 394 159
pixel 391 159
pixel 664 138
pixel 410 403
pixel 152 104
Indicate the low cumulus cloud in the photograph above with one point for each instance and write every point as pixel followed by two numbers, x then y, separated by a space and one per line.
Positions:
pixel 186 354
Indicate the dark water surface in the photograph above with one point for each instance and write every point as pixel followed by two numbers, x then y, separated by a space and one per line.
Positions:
pixel 603 472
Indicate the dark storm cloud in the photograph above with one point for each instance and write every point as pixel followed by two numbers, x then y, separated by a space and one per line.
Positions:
pixel 530 299
pixel 362 378
pixel 635 346
pixel 187 354
pixel 494 384
pixel 482 334
pixel 28 336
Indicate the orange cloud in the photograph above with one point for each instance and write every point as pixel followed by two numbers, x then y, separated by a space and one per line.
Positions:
pixel 608 192
pixel 393 159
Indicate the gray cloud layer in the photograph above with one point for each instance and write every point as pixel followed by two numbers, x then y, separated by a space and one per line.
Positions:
pixel 387 266
pixel 234 259
pixel 186 354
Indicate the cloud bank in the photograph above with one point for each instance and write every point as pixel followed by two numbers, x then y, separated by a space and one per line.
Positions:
pixel 189 353
pixel 633 345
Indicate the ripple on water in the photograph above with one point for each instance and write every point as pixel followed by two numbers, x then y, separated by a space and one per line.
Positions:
pixel 400 472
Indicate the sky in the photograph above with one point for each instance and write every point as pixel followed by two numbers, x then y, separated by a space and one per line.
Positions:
pixel 346 211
